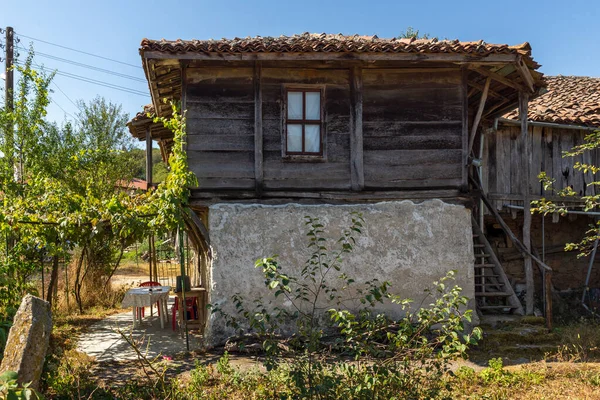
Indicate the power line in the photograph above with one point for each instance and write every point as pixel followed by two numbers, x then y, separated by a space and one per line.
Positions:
pixel 52 100
pixel 79 51
pixel 91 80
pixel 68 98
pixel 106 71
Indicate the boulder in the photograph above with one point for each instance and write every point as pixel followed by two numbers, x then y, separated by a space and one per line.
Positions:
pixel 28 341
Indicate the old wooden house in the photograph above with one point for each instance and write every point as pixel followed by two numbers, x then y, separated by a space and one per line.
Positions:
pixel 558 120
pixel 314 124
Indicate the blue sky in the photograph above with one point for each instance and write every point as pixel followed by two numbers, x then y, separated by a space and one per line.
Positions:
pixel 564 34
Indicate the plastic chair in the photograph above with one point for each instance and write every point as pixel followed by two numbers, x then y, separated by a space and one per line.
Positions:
pixel 149 284
pixel 191 308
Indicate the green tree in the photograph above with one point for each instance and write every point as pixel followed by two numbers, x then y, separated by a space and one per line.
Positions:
pixel 60 189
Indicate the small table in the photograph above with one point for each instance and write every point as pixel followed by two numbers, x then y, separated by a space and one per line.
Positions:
pixel 201 294
pixel 145 297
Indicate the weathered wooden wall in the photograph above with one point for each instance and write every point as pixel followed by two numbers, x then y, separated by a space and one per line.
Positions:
pixel 334 171
pixel 503 162
pixel 412 129
pixel 220 126
pixel 411 125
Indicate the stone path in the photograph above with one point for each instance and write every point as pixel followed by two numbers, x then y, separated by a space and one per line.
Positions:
pixel 104 342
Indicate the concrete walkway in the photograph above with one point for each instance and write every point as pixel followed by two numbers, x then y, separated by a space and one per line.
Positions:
pixel 104 341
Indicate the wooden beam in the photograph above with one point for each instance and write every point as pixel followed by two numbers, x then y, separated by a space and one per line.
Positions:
pixel 268 56
pixel 501 108
pixel 206 196
pixel 148 157
pixel 525 190
pixel 201 227
pixel 490 91
pixel 258 128
pixel 477 119
pixel 465 129
pixel 356 130
pixel 525 74
pixel 497 77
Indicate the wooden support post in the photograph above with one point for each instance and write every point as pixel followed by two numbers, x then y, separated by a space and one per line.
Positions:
pixel 465 128
pixel 356 130
pixel 258 129
pixel 548 299
pixel 525 74
pixel 525 168
pixel 148 157
pixel 477 119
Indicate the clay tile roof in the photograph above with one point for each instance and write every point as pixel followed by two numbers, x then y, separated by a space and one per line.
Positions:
pixel 334 43
pixel 573 100
pixel 143 115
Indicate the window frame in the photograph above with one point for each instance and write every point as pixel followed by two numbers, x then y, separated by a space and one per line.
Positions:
pixel 303 155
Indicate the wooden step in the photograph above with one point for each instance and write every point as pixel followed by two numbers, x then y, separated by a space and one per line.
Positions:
pixel 492 294
pixel 479 255
pixel 484 265
pixel 496 307
pixel 479 245
pixel 487 276
pixel 490 284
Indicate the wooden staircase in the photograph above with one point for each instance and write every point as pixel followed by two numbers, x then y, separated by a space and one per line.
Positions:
pixel 493 291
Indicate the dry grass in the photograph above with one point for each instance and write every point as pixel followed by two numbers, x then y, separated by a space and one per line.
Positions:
pixel 539 380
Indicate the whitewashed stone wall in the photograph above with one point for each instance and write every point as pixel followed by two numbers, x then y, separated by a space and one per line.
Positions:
pixel 410 245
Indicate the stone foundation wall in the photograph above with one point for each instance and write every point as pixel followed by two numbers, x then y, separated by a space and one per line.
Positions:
pixel 407 244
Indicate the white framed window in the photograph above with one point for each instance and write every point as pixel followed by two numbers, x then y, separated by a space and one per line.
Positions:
pixel 303 123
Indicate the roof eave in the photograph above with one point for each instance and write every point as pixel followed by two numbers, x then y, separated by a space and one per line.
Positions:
pixel 309 56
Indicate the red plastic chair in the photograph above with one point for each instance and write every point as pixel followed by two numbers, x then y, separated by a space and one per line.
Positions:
pixel 190 308
pixel 149 284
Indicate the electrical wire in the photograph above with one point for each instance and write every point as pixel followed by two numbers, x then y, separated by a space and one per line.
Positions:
pixel 68 98
pixel 78 51
pixel 90 80
pixel 78 64
pixel 59 106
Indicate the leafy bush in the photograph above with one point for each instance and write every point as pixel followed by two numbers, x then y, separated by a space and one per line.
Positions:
pixel 11 390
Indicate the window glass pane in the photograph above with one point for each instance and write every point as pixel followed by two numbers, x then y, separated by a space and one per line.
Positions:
pixel 294 105
pixel 294 138
pixel 313 105
pixel 312 138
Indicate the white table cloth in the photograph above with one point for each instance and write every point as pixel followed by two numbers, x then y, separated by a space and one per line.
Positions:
pixel 145 297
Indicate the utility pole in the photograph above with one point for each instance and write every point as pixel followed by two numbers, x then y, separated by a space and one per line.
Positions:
pixel 9 140
pixel 9 92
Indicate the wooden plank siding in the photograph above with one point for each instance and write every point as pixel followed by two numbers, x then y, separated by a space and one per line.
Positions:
pixel 412 129
pixel 408 134
pixel 220 127
pixel 333 171
pixel 547 145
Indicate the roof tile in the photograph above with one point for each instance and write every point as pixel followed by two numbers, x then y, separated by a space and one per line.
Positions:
pixel 311 42
pixel 571 100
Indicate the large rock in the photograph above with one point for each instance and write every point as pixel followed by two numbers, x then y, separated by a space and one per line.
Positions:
pixel 28 340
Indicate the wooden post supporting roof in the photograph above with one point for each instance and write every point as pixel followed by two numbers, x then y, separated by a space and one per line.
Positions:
pixel 526 167
pixel 357 175
pixel 148 157
pixel 258 129
pixel 477 119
